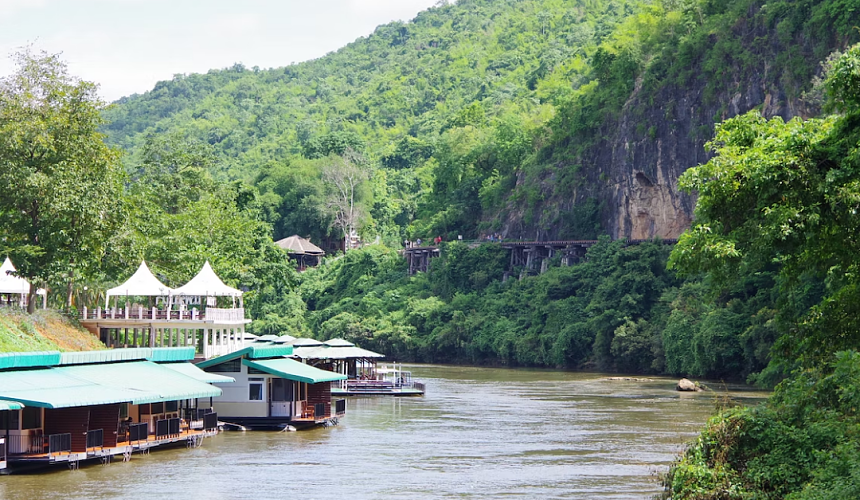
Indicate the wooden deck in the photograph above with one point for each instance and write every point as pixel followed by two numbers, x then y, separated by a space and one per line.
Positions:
pixel 191 438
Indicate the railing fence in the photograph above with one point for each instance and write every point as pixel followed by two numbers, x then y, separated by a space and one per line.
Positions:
pixel 95 438
pixel 58 443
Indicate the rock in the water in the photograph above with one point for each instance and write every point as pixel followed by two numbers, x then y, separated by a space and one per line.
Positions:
pixel 686 385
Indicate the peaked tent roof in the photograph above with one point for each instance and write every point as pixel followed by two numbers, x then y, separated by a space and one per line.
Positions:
pixel 207 284
pixel 142 283
pixel 297 245
pixel 13 284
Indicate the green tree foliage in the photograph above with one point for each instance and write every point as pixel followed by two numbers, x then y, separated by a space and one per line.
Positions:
pixel 61 182
pixel 619 310
pixel 785 194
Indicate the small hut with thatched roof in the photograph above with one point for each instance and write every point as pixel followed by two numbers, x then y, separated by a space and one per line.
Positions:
pixel 301 249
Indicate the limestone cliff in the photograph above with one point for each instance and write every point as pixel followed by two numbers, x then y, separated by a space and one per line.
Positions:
pixel 632 169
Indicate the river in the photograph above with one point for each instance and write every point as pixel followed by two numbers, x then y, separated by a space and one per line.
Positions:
pixel 478 433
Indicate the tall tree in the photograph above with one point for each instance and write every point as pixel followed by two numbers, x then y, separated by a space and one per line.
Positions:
pixel 344 177
pixel 61 184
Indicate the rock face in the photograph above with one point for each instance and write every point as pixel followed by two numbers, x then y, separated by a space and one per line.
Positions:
pixel 686 385
pixel 632 170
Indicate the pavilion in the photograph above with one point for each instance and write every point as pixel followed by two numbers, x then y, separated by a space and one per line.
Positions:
pixel 185 316
pixel 302 250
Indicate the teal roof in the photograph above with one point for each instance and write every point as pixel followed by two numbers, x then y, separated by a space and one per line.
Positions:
pixel 55 388
pixel 192 371
pixel 154 383
pixel 55 358
pixel 29 359
pixel 171 354
pixel 253 351
pixel 10 405
pixel 293 370
pixel 106 356
pixel 136 382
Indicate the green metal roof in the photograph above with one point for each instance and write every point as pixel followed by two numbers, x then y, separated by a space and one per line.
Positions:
pixel 269 351
pixel 106 356
pixel 293 370
pixel 324 352
pixel 136 382
pixel 56 388
pixel 170 354
pixel 192 371
pixel 254 351
pixel 10 405
pixel 152 383
pixel 29 359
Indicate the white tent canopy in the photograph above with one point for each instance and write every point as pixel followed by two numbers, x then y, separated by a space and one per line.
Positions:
pixel 14 284
pixel 207 284
pixel 142 284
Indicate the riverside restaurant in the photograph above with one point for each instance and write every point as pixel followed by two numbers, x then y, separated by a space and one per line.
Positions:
pixel 72 407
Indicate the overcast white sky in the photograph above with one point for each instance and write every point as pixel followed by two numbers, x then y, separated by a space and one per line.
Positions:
pixel 126 46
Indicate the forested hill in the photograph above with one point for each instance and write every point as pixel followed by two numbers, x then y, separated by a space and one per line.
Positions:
pixel 535 118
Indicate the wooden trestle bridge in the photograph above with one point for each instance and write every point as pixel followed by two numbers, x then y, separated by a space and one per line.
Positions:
pixel 530 256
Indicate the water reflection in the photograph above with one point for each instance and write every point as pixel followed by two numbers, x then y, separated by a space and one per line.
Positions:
pixel 478 433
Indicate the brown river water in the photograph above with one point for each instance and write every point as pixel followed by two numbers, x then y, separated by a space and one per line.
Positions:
pixel 478 433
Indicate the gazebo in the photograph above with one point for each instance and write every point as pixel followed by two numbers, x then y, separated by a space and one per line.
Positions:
pixel 214 331
pixel 141 284
pixel 15 285
pixel 301 248
pixel 208 284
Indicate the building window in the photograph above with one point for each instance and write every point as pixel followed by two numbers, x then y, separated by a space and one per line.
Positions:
pixel 255 392
pixel 31 418
pixel 171 406
pixel 123 411
pixel 232 366
pixel 9 420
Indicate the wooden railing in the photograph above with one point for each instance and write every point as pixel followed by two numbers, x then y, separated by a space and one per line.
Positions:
pixel 234 315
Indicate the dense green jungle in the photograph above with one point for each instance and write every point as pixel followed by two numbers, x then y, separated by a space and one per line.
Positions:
pixel 495 117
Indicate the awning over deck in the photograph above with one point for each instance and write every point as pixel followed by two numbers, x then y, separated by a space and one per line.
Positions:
pixel 138 382
pixel 291 369
pixel 10 405
pixel 192 371
pixel 151 382
pixel 56 388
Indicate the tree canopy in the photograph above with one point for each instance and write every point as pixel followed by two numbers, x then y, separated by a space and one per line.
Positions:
pixel 61 184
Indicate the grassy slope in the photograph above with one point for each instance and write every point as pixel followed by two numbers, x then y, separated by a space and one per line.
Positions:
pixel 44 331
